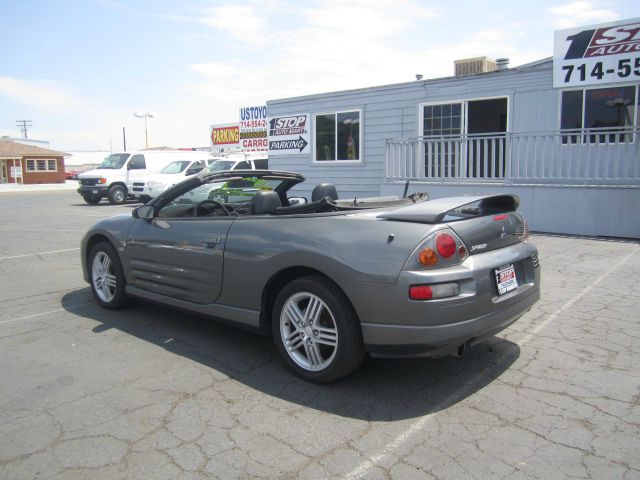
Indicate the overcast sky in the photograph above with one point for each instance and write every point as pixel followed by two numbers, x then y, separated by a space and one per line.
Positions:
pixel 79 69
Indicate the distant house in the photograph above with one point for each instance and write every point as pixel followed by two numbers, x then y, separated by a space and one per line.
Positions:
pixel 20 163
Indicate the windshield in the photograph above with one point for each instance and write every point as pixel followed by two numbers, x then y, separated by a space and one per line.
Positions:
pixel 234 191
pixel 220 165
pixel 114 161
pixel 176 167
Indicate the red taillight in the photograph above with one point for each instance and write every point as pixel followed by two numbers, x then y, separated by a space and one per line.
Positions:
pixel 446 245
pixel 420 292
pixel 497 218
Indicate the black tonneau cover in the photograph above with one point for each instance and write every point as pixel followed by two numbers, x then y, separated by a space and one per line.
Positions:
pixel 435 211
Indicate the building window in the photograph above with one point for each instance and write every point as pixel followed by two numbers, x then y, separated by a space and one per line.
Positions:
pixel 41 165
pixel 599 115
pixel 337 136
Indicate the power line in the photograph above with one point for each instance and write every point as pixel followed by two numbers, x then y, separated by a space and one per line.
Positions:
pixel 23 125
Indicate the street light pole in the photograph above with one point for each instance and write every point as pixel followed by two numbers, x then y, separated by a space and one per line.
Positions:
pixel 145 116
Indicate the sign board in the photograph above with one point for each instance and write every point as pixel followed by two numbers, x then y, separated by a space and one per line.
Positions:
pixel 16 172
pixel 597 54
pixel 225 135
pixel 289 134
pixel 253 128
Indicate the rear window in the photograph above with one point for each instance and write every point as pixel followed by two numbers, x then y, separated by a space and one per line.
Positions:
pixel 261 164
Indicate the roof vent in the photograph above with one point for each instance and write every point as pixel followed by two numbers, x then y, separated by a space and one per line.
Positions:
pixel 502 63
pixel 472 66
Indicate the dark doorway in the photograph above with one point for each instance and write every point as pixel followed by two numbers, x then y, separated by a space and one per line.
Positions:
pixel 486 126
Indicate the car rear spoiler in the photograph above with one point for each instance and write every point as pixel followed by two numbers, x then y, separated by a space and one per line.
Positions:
pixel 435 211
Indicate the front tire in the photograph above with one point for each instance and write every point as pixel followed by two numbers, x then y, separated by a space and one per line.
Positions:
pixel 316 331
pixel 107 277
pixel 91 200
pixel 117 195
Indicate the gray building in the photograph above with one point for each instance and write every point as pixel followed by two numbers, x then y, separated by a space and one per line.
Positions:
pixel 572 155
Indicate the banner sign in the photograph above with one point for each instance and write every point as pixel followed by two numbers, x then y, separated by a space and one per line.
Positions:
pixel 253 128
pixel 597 54
pixel 289 134
pixel 225 135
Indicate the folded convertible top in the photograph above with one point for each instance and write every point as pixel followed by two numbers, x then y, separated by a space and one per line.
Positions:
pixel 435 211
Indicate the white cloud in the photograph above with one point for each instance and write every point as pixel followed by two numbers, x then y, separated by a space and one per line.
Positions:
pixel 341 47
pixel 43 95
pixel 579 13
pixel 242 22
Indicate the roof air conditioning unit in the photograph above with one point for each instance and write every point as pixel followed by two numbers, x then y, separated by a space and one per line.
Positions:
pixel 472 66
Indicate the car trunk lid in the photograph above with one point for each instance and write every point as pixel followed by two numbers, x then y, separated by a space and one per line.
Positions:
pixel 483 222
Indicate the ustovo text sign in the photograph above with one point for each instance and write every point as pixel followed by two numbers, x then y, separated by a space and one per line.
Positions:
pixel 253 128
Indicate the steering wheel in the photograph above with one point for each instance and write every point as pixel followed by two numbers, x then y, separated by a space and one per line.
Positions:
pixel 213 202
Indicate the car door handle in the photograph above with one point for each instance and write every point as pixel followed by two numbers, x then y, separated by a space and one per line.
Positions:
pixel 211 242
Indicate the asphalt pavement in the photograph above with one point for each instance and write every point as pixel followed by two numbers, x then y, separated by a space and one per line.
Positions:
pixel 148 392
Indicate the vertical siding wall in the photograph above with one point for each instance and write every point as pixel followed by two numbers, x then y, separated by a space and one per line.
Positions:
pixel 392 111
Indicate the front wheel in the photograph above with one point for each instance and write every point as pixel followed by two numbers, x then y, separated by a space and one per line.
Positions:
pixel 91 200
pixel 107 277
pixel 117 195
pixel 316 331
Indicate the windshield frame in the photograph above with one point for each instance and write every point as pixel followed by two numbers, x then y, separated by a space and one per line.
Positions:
pixel 184 165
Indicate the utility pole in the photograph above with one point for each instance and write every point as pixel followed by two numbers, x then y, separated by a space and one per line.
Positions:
pixel 23 125
pixel 124 140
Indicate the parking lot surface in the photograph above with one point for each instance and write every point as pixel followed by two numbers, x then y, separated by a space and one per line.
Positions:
pixel 153 393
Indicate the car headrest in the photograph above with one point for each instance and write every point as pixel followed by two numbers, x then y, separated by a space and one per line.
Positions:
pixel 266 201
pixel 324 190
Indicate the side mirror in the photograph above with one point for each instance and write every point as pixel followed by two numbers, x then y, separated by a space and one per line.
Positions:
pixel 297 201
pixel 130 166
pixel 144 212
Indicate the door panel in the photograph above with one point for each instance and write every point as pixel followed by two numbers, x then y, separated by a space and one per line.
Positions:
pixel 180 258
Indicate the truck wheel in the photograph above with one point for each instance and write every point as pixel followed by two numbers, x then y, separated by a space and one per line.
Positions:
pixel 117 195
pixel 316 331
pixel 91 200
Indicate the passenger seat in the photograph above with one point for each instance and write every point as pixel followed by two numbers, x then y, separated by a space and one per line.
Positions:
pixel 265 202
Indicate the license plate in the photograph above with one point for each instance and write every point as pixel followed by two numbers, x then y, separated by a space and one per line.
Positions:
pixel 506 279
pixel 94 191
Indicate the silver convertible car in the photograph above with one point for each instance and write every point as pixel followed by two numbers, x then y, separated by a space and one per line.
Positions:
pixel 331 280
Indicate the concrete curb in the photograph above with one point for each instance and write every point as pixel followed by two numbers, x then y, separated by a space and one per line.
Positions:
pixel 39 187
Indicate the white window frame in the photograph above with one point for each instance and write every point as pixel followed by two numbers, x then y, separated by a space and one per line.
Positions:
pixel 463 112
pixel 360 142
pixel 581 134
pixel 36 169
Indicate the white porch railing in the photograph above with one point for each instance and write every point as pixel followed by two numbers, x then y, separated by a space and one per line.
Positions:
pixel 607 156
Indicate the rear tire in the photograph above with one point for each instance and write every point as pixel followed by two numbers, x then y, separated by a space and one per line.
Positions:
pixel 117 195
pixel 316 331
pixel 91 200
pixel 107 277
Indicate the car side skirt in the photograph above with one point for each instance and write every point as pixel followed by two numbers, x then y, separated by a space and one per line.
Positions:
pixel 241 317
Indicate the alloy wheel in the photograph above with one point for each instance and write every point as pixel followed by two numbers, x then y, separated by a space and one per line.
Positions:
pixel 309 331
pixel 103 277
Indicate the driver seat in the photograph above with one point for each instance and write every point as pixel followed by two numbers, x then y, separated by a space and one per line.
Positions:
pixel 266 202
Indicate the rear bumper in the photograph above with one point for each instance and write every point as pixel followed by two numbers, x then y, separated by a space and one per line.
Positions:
pixel 394 325
pixel 410 340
